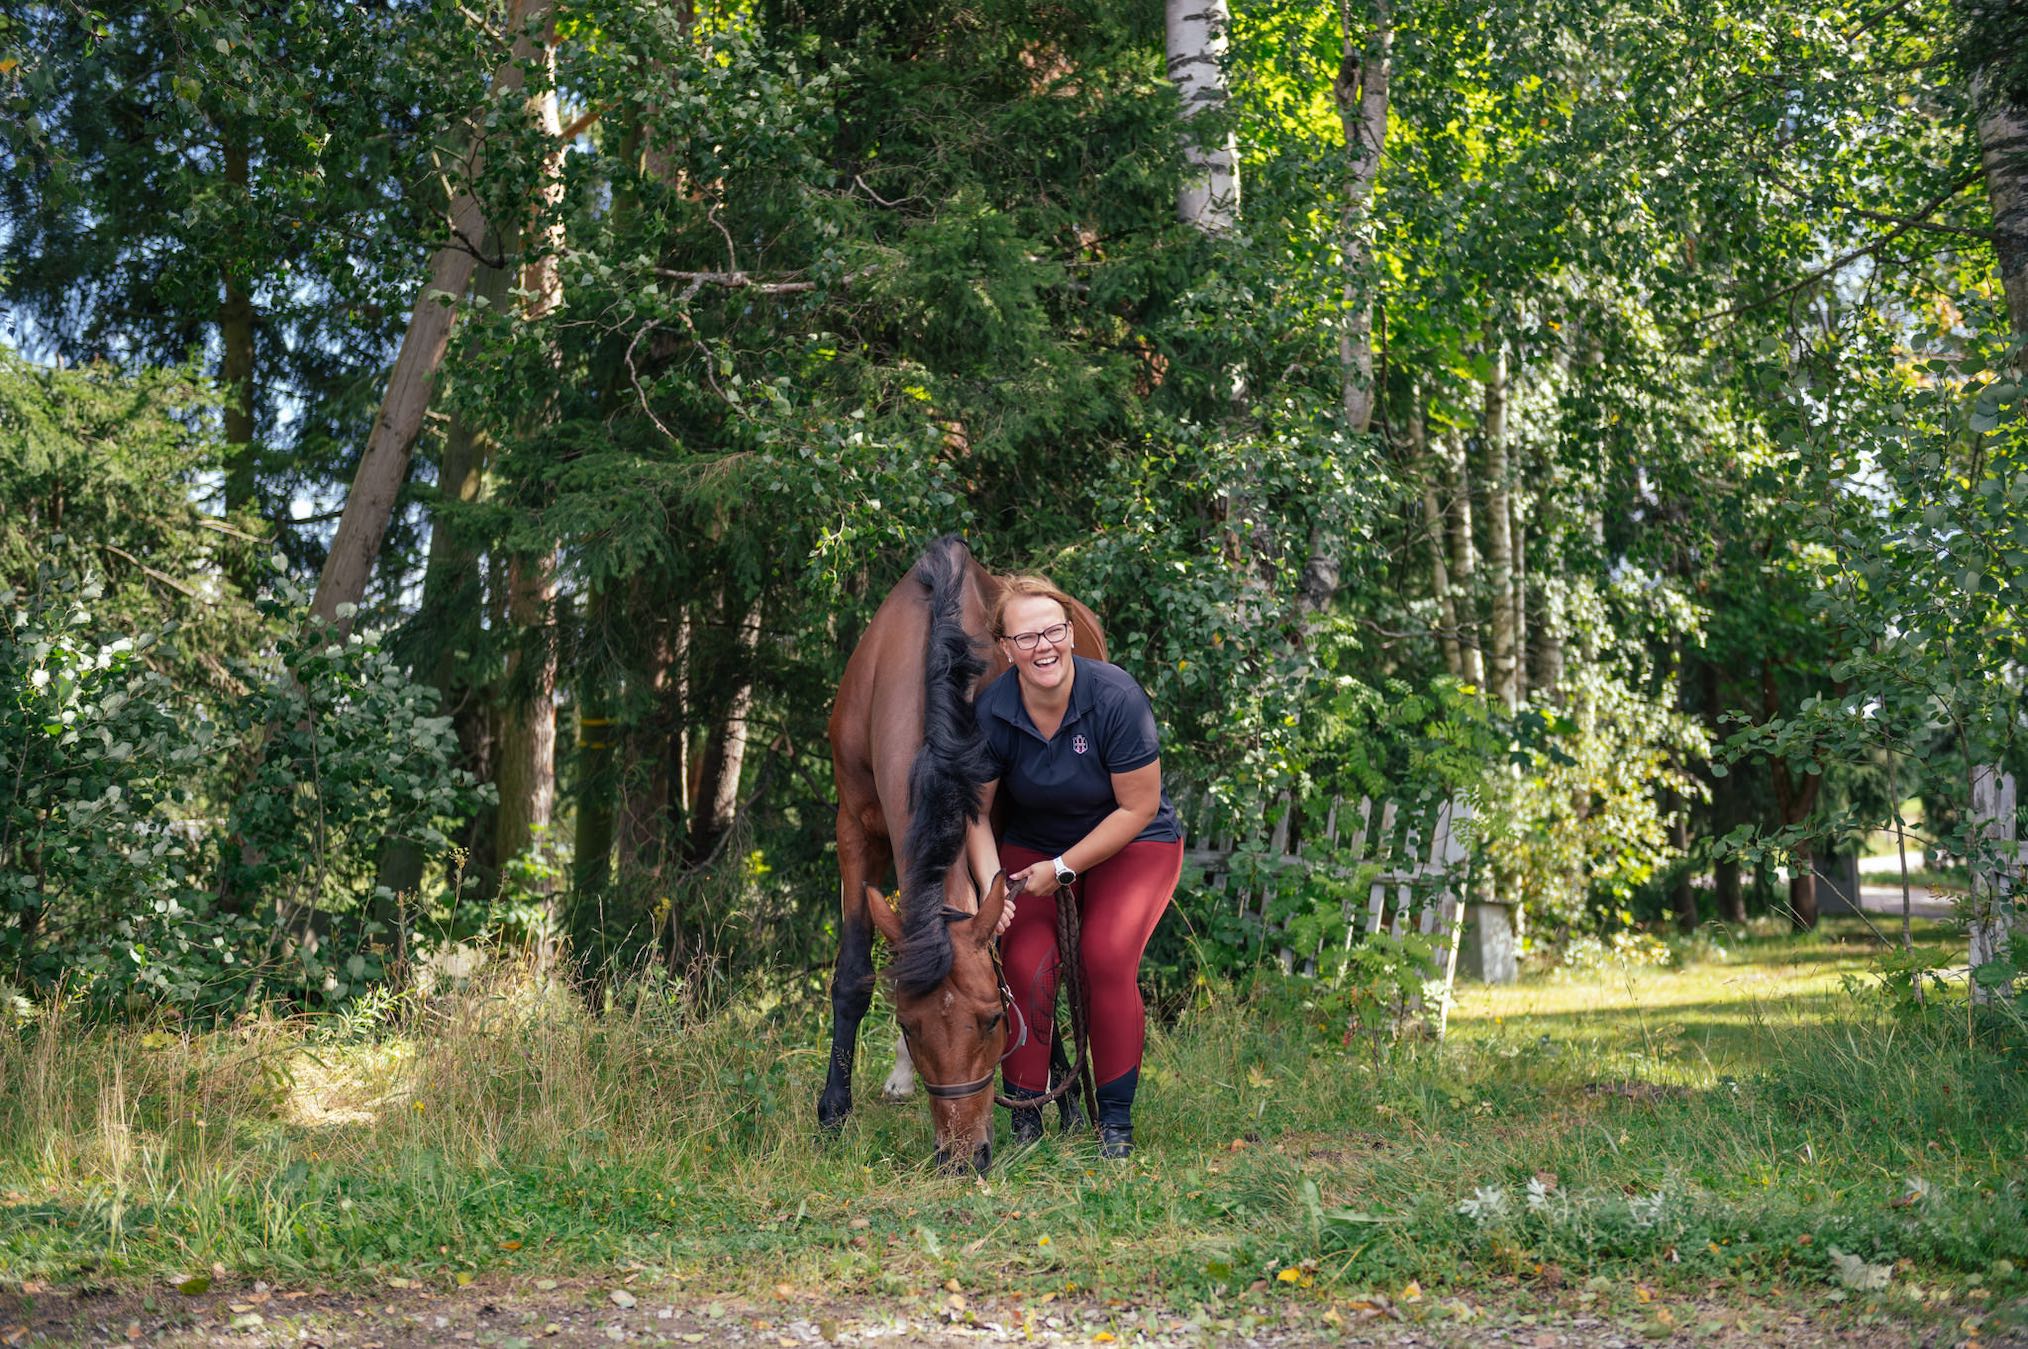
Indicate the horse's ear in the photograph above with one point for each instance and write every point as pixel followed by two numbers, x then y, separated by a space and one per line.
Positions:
pixel 988 916
pixel 884 916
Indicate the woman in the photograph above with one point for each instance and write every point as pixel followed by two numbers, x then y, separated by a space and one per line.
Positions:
pixel 1074 741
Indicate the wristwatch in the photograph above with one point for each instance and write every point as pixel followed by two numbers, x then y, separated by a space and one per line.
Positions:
pixel 1064 875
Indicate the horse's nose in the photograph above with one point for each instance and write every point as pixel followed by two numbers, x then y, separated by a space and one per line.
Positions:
pixel 982 1157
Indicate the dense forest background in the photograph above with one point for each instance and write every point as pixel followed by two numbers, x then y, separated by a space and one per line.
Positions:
pixel 448 450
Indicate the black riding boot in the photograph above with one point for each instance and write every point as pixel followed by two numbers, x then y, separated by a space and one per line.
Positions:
pixel 1116 1114
pixel 1027 1119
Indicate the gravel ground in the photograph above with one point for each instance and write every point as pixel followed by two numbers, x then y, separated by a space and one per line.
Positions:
pixel 523 1313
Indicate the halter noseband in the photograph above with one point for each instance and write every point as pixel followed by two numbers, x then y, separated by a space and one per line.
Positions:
pixel 957 1091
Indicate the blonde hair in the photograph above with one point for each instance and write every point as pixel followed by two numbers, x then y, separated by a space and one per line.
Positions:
pixel 1023 587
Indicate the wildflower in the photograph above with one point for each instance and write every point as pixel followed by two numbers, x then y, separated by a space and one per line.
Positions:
pixel 1487 1203
pixel 1538 1194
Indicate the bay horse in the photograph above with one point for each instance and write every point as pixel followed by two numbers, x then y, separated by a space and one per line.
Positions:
pixel 909 761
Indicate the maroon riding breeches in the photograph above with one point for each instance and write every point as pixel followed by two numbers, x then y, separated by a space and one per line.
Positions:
pixel 1119 902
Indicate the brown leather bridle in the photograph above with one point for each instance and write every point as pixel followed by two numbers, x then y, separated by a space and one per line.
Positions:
pixel 1067 937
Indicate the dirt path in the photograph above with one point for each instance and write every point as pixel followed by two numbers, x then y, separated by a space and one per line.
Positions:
pixel 526 1313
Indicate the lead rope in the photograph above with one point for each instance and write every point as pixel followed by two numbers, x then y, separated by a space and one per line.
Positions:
pixel 1068 935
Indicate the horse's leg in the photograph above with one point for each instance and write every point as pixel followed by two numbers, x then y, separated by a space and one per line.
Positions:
pixel 900 1084
pixel 861 859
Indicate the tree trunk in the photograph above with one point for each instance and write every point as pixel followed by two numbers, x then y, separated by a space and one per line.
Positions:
pixel 1520 534
pixel 599 736
pixel 1464 564
pixel 1793 801
pixel 1433 525
pixel 724 758
pixel 527 769
pixel 1361 94
pixel 1195 35
pixel 236 360
pixel 383 467
pixel 526 764
pixel 1499 536
pixel 1682 895
pixel 2003 147
pixel 658 763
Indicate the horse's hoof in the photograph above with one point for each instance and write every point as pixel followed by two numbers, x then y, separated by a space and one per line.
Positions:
pixel 895 1095
pixel 831 1115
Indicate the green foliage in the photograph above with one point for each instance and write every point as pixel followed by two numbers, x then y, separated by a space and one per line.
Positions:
pixel 119 888
pixel 96 766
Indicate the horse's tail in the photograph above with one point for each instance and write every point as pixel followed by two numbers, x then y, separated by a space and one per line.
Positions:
pixel 949 769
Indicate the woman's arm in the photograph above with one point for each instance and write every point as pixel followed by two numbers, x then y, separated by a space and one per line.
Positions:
pixel 982 854
pixel 1138 796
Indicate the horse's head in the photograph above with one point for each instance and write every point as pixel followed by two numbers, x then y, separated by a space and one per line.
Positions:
pixel 949 1004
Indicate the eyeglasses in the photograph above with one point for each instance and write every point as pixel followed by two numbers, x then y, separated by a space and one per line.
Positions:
pixel 1054 634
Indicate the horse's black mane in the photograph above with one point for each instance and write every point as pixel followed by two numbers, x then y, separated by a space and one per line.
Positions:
pixel 949 770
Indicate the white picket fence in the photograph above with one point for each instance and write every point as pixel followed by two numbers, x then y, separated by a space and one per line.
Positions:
pixel 1999 870
pixel 1419 885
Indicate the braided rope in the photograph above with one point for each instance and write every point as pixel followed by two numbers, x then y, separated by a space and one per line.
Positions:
pixel 1071 971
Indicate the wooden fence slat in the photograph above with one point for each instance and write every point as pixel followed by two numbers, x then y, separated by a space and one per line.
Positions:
pixel 1993 871
pixel 1426 883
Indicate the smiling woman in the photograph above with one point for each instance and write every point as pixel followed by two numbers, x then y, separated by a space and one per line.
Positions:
pixel 1074 741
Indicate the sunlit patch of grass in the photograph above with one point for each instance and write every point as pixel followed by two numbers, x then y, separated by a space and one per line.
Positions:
pixel 1755 1109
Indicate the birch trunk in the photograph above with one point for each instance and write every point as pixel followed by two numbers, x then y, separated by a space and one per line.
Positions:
pixel 1499 537
pixel 1361 94
pixel 1194 31
pixel 2003 146
pixel 383 467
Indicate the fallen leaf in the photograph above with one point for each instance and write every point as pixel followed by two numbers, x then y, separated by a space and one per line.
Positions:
pixel 545 1285
pixel 621 1298
pixel 510 1245
pixel 13 1334
pixel 1411 1291
pixel 195 1286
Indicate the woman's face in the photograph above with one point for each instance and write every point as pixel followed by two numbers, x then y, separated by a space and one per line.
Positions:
pixel 1039 624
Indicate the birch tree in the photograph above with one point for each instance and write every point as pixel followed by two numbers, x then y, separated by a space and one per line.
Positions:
pixel 1195 31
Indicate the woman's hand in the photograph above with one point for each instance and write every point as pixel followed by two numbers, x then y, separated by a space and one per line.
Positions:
pixel 1036 879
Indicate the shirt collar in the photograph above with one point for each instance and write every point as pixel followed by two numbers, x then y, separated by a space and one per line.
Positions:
pixel 1010 709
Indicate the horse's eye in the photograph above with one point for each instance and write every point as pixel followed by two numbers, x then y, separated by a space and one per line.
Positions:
pixel 986 1026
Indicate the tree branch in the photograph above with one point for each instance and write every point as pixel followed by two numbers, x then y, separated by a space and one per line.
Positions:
pixel 1843 260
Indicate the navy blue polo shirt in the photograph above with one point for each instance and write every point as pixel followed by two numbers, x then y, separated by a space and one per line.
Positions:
pixel 1058 790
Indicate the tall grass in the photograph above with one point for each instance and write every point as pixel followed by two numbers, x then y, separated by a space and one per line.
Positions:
pixel 504 1125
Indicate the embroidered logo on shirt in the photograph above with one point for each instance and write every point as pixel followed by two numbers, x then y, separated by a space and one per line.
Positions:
pixel 1079 744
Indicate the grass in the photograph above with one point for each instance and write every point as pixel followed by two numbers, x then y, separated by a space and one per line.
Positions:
pixel 1716 1128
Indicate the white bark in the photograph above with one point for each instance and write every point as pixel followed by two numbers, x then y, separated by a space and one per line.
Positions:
pixel 1361 93
pixel 1195 34
pixel 1465 564
pixel 1499 536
